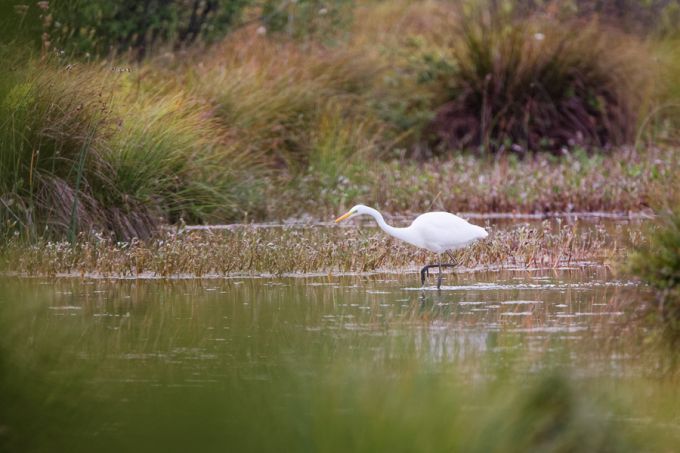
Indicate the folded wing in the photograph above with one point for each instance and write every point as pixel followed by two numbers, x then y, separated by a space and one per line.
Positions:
pixel 442 231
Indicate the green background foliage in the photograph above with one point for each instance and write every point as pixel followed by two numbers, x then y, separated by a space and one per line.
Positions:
pixel 114 27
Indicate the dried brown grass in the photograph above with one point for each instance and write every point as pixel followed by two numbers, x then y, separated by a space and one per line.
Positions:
pixel 247 250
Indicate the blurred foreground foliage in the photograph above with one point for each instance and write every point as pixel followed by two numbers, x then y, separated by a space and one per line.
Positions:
pixel 657 262
pixel 136 367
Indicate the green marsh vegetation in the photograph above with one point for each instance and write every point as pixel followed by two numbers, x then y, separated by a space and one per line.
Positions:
pixel 404 105
pixel 78 156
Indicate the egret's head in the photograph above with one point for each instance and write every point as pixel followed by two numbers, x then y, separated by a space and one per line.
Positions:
pixel 356 210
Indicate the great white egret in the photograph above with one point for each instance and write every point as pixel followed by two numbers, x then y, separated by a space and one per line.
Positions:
pixel 438 232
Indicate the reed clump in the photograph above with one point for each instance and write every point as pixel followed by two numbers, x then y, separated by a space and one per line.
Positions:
pixel 51 135
pixel 536 84
pixel 170 157
pixel 81 150
pixel 281 250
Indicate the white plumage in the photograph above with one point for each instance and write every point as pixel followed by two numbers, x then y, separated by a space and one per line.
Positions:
pixel 437 232
pixel 442 231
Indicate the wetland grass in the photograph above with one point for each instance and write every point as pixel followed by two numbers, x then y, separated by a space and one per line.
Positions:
pixel 267 127
pixel 622 181
pixel 276 98
pixel 81 149
pixel 246 250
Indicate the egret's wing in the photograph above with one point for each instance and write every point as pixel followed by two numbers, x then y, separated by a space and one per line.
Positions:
pixel 446 231
pixel 440 220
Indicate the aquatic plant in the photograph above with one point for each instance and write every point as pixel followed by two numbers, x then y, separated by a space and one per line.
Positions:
pixel 624 181
pixel 280 250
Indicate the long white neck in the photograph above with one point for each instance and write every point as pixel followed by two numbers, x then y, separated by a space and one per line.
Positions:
pixel 405 234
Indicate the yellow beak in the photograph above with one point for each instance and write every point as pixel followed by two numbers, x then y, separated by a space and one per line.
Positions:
pixel 343 217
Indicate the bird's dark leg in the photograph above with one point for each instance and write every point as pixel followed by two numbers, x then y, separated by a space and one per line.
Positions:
pixel 439 278
pixel 425 271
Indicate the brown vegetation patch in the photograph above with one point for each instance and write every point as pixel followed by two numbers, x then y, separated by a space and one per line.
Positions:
pixel 250 250
pixel 537 85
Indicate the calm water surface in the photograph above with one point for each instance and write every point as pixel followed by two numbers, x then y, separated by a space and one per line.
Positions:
pixel 329 364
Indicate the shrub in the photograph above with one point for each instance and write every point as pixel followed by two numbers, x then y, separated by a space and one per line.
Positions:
pixel 105 27
pixel 658 264
pixel 406 99
pixel 533 85
pixel 655 17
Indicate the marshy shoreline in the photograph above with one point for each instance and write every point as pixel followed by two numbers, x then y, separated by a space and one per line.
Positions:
pixel 306 249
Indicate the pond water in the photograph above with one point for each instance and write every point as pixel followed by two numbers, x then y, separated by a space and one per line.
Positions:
pixel 497 361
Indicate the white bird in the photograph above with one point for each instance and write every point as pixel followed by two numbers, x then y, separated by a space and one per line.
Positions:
pixel 438 232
